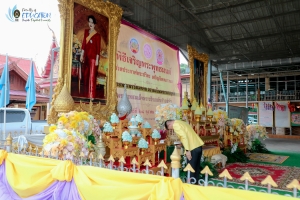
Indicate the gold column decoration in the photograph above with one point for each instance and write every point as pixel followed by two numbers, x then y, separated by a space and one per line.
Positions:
pixel 193 54
pixel 175 157
pixel 64 102
pixel 8 143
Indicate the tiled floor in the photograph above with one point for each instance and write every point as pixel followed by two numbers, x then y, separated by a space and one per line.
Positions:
pixel 283 144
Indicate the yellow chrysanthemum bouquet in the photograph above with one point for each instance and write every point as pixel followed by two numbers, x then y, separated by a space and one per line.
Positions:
pixel 166 112
pixel 257 131
pixel 74 133
pixel 237 126
pixel 220 116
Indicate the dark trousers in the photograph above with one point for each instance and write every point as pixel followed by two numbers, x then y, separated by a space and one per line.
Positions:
pixel 195 162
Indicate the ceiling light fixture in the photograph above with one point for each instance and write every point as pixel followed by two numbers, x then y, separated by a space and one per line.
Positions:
pixel 252 74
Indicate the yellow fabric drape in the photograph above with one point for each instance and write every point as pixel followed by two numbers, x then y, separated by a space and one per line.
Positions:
pixel 63 171
pixel 124 185
pixel 28 175
pixel 3 155
pixel 192 192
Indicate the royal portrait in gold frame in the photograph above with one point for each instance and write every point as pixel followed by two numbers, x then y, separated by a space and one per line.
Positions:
pixel 62 99
pixel 198 63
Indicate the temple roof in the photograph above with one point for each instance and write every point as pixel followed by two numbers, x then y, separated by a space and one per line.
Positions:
pixel 22 63
pixel 22 67
pixel 47 69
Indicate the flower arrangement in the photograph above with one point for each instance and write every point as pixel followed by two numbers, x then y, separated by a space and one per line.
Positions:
pixel 107 128
pixel 133 122
pixel 146 125
pixel 220 116
pixel 138 133
pixel 142 144
pixel 228 122
pixel 80 121
pixel 155 134
pixel 114 118
pixel 257 129
pixel 70 134
pixel 237 126
pixel 61 140
pixel 75 132
pixel 126 137
pixel 139 119
pixel 165 112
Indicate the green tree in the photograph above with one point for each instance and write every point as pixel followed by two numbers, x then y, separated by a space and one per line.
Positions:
pixel 183 68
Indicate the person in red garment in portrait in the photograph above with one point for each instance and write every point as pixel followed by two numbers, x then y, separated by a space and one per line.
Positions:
pixel 90 58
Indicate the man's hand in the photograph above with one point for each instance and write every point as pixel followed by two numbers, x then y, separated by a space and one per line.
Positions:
pixel 188 155
pixel 81 58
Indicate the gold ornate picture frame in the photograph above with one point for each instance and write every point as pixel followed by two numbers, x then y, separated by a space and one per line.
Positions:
pixel 61 101
pixel 196 85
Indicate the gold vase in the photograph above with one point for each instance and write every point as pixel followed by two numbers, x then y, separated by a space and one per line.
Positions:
pixel 155 141
pixel 126 143
pixel 142 151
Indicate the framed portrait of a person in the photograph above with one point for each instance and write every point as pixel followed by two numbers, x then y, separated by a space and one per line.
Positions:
pixel 87 72
pixel 89 55
pixel 198 63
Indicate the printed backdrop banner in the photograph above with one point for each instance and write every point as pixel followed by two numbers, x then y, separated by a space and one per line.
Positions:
pixel 150 63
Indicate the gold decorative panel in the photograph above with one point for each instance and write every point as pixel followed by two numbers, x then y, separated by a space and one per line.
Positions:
pixel 202 57
pixel 102 109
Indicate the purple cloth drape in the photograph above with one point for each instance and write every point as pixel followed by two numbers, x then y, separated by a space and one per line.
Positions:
pixel 59 190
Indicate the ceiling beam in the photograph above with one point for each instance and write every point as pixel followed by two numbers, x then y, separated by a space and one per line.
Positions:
pixel 195 17
pixel 254 19
pixel 255 37
pixel 241 25
pixel 224 8
pixel 278 27
pixel 208 48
